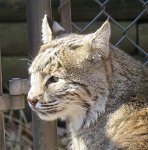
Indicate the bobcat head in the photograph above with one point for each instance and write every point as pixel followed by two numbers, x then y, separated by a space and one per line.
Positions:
pixel 68 77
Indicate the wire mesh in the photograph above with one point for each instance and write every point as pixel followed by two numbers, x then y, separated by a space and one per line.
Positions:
pixel 102 4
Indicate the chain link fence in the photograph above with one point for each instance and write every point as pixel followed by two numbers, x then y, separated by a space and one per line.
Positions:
pixel 140 15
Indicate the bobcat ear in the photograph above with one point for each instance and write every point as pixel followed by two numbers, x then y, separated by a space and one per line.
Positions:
pixel 56 29
pixel 46 31
pixel 100 40
pixel 50 29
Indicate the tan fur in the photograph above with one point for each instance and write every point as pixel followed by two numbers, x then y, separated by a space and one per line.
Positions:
pixel 101 91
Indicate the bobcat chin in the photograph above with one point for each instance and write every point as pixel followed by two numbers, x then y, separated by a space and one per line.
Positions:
pixel 96 87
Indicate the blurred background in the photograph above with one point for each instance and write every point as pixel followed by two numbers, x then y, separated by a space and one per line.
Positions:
pixel 129 21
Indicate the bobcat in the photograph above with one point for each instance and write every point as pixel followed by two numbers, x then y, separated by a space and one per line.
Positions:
pixel 96 87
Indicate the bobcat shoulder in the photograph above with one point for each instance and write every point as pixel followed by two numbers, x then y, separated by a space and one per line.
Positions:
pixel 96 87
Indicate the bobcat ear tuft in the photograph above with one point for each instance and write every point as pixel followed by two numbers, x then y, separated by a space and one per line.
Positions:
pixel 46 31
pixel 100 40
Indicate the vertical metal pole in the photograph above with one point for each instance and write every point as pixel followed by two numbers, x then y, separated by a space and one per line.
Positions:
pixel 65 11
pixel 35 12
pixel 2 127
pixel 44 132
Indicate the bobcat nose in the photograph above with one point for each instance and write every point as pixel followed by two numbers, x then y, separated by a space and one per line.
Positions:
pixel 32 101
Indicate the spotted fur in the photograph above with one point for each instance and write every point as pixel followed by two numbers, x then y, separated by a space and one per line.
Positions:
pixel 96 87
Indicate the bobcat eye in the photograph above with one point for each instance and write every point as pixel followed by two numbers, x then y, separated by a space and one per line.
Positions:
pixel 52 79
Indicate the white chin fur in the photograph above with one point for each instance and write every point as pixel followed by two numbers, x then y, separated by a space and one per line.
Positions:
pixel 38 105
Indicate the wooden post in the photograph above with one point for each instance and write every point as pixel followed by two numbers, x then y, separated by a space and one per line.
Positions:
pixel 2 127
pixel 44 132
pixel 2 132
pixel 65 11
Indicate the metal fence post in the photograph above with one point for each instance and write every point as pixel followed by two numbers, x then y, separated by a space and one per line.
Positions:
pixel 44 132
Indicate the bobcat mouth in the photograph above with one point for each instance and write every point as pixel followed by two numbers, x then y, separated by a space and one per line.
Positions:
pixel 49 110
pixel 41 105
pixel 38 105
pixel 49 106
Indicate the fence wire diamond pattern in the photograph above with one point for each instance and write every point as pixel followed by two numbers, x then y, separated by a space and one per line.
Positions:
pixel 102 5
